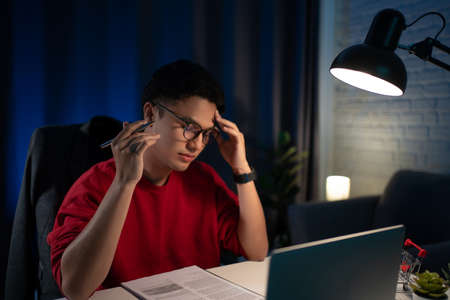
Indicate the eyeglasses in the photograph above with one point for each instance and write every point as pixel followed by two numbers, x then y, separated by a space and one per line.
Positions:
pixel 192 130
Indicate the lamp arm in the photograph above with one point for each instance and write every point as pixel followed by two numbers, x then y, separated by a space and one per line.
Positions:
pixel 424 49
pixel 437 62
pixel 441 46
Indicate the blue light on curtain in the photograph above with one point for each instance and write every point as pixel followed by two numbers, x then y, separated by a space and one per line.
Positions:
pixel 76 59
pixel 164 35
pixel 73 60
pixel 27 93
pixel 88 61
pixel 123 92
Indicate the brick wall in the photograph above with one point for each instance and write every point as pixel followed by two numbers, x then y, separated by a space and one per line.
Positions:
pixel 376 135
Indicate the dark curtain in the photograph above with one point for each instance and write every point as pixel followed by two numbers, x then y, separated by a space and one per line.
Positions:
pixel 66 61
pixel 265 55
pixel 306 115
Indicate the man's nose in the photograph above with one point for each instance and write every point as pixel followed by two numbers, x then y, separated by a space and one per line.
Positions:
pixel 197 142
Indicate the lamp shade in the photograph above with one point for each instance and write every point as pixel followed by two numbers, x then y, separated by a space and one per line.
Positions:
pixel 373 65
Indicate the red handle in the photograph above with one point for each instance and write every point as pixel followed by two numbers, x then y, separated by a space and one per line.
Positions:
pixel 422 252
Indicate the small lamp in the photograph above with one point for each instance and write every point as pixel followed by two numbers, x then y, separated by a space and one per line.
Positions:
pixel 338 188
pixel 374 66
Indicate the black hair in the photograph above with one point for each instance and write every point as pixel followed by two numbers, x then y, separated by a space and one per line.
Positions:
pixel 182 79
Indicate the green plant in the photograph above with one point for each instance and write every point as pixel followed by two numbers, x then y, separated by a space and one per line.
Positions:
pixel 446 274
pixel 280 184
pixel 429 285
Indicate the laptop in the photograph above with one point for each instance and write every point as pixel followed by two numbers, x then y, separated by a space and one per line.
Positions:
pixel 360 266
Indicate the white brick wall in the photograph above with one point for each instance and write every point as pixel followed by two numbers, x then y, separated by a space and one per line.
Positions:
pixel 374 136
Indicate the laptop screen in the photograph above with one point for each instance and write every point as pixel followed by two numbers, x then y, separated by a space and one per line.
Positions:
pixel 358 266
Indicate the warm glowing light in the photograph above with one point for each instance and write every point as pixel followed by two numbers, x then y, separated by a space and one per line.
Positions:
pixel 366 82
pixel 338 188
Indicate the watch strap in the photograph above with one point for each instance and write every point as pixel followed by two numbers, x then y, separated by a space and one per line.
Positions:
pixel 246 177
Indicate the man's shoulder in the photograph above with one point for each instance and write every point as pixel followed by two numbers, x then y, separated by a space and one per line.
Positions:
pixel 108 166
pixel 102 171
pixel 94 182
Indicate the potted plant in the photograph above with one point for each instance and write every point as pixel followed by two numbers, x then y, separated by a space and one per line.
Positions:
pixel 279 186
pixel 428 285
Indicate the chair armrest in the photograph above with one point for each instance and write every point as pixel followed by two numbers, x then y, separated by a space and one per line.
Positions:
pixel 438 256
pixel 320 220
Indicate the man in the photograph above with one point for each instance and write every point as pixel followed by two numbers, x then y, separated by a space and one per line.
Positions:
pixel 152 208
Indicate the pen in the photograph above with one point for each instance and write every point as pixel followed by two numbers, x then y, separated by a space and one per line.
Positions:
pixel 140 129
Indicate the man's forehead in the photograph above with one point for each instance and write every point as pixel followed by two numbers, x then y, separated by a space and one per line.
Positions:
pixel 196 114
pixel 202 124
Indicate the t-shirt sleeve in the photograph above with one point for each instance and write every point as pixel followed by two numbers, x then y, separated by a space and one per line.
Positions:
pixel 227 205
pixel 78 207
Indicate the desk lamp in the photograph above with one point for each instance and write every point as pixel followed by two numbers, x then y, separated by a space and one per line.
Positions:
pixel 374 66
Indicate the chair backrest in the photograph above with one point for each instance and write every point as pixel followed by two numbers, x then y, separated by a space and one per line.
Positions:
pixel 56 157
pixel 313 221
pixel 420 201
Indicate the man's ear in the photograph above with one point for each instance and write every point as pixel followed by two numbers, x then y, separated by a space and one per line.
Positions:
pixel 149 111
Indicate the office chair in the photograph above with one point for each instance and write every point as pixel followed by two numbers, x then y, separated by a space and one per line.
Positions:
pixel 56 157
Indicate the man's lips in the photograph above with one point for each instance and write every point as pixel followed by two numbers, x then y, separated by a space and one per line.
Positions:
pixel 187 157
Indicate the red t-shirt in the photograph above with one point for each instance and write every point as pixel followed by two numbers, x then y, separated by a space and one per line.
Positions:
pixel 183 223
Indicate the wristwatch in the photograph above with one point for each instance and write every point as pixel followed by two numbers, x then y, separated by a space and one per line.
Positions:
pixel 246 177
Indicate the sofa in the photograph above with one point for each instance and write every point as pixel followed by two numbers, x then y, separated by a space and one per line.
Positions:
pixel 419 200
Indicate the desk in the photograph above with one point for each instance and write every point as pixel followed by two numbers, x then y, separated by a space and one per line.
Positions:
pixel 250 275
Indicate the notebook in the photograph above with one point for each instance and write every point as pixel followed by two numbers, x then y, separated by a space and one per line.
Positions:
pixel 358 266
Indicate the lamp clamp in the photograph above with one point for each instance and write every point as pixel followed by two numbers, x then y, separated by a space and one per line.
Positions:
pixel 424 50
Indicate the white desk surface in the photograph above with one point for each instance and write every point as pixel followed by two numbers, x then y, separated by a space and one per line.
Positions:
pixel 249 274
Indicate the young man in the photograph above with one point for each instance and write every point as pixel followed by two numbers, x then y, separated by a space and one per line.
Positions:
pixel 152 208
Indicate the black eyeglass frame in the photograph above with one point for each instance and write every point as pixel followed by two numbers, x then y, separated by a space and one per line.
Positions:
pixel 205 132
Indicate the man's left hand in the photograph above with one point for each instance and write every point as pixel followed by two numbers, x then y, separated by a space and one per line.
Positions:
pixel 232 149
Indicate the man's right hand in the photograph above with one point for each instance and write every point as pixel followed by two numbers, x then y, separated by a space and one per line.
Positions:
pixel 88 258
pixel 128 148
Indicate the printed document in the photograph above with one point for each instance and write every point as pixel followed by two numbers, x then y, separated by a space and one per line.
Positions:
pixel 188 284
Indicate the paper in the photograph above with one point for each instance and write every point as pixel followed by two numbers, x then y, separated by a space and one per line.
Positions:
pixel 188 284
pixel 116 293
